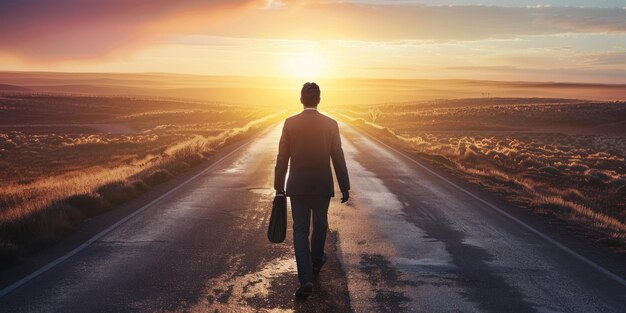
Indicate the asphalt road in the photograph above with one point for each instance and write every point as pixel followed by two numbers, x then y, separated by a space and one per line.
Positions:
pixel 409 240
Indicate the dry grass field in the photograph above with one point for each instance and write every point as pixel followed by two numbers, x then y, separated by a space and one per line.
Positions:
pixel 559 158
pixel 67 158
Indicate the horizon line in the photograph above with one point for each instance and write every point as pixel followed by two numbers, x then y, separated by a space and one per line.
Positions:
pixel 320 78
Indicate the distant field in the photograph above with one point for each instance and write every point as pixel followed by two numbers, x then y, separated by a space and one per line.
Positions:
pixel 284 91
pixel 65 158
pixel 557 157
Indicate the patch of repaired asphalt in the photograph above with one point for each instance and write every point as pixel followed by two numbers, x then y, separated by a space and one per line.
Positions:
pixel 385 278
pixel 330 292
pixel 270 285
pixel 476 276
pixel 416 273
pixel 471 267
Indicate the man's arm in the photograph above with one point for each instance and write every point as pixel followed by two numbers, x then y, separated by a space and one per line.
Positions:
pixel 282 161
pixel 339 163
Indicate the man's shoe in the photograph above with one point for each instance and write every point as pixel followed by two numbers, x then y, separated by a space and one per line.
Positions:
pixel 305 290
pixel 318 267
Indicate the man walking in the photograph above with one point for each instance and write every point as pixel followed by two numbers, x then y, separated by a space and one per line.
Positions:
pixel 310 140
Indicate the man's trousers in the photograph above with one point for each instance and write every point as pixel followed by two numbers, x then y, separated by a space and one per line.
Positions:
pixel 309 253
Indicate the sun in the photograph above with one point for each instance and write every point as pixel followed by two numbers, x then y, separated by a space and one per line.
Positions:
pixel 305 65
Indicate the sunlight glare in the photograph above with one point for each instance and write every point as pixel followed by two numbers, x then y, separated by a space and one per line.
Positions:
pixel 305 65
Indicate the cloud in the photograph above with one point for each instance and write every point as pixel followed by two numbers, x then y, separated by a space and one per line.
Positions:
pixel 579 20
pixel 419 22
pixel 611 58
pixel 47 31
pixel 556 74
pixel 69 29
pixel 502 68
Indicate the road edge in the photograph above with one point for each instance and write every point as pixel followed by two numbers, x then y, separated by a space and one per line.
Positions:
pixel 95 228
pixel 471 191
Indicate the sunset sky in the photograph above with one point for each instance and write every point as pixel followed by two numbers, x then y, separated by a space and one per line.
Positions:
pixel 548 40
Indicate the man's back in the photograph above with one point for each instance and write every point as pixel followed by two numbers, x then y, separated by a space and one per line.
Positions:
pixel 310 139
pixel 309 142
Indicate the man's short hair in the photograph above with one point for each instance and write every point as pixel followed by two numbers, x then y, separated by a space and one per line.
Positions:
pixel 310 95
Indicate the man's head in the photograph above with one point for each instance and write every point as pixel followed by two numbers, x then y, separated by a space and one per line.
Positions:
pixel 310 95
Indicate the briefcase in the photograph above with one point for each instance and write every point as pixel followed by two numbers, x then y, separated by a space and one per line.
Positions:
pixel 277 229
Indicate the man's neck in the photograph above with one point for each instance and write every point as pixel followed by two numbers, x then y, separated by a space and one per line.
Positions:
pixel 311 109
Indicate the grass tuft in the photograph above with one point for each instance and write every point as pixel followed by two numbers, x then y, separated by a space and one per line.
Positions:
pixel 51 180
pixel 578 178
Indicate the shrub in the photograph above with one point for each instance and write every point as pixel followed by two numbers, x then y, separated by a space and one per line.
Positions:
pixel 193 159
pixel 600 175
pixel 117 192
pixel 176 166
pixel 140 185
pixel 550 170
pixel 157 177
pixel 578 168
pixel 531 164
pixel 43 226
pixel 88 204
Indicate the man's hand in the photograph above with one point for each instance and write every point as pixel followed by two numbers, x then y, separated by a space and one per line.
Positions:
pixel 345 195
pixel 280 193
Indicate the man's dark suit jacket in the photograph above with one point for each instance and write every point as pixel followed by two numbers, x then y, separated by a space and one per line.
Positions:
pixel 310 140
